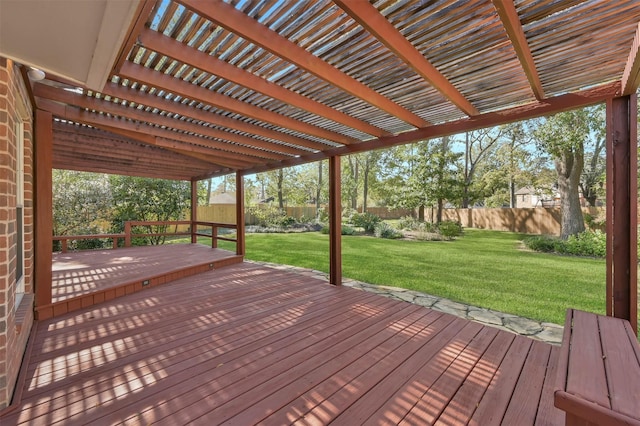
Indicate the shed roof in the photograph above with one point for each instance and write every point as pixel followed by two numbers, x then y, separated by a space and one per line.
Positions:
pixel 222 86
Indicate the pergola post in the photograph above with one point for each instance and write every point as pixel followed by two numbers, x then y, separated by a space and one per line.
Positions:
pixel 194 211
pixel 240 245
pixel 622 198
pixel 43 208
pixel 335 222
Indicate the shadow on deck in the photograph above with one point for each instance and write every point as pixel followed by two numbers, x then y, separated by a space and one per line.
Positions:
pixel 250 344
pixel 85 278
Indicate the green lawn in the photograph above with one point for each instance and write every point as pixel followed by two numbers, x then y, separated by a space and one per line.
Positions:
pixel 483 268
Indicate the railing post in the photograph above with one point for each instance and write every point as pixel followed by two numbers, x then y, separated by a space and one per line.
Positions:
pixel 63 245
pixel 115 242
pixel 127 234
pixel 214 236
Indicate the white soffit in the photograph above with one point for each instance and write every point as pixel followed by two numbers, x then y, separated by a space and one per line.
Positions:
pixel 75 39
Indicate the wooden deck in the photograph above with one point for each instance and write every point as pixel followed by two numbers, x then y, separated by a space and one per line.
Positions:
pixel 85 278
pixel 249 344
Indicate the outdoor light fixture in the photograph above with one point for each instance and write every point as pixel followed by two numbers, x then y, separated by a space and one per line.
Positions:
pixel 35 74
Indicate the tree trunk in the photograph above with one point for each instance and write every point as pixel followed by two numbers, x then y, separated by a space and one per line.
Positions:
pixel 512 192
pixel 354 194
pixel 421 213
pixel 209 183
pixel 365 186
pixel 467 155
pixel 280 194
pixel 569 167
pixel 319 190
pixel 439 213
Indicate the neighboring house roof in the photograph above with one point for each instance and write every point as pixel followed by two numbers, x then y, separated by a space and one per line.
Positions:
pixel 223 198
pixel 526 190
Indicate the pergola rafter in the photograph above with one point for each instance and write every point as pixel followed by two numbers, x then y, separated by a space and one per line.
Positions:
pixel 206 62
pixel 235 21
pixel 158 80
pixel 369 18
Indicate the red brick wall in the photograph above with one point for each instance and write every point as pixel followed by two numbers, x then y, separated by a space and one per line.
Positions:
pixel 15 321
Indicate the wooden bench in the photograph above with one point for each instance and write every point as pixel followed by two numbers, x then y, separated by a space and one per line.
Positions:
pixel 598 371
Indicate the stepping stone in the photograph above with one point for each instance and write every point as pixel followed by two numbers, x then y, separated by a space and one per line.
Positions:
pixel 484 316
pixel 523 326
pixel 407 297
pixel 427 301
pixel 450 307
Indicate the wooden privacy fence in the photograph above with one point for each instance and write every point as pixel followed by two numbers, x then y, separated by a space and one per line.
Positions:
pixel 537 220
pixel 227 213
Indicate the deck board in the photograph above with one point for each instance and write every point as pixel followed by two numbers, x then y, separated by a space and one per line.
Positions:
pixel 250 344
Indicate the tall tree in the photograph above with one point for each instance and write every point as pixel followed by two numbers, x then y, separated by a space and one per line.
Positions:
pixel 319 188
pixel 563 136
pixel 350 181
pixel 144 199
pixel 478 145
pixel 592 181
pixel 81 202
pixel 421 175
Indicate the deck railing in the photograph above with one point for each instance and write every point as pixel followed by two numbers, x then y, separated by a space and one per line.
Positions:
pixel 192 229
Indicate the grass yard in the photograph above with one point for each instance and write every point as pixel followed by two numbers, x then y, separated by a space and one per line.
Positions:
pixel 483 268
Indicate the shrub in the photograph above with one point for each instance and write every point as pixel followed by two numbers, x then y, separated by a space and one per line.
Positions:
pixel 322 215
pixel 450 229
pixel 427 236
pixel 366 220
pixel 597 222
pixel 345 230
pixel 409 223
pixel 588 243
pixel 428 227
pixel 384 230
pixel 542 243
pixel 271 216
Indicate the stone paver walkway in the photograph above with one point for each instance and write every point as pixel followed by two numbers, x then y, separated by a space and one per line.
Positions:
pixel 547 332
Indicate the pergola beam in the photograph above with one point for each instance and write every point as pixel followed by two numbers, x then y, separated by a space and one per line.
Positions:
pixel 134 157
pixel 144 11
pixel 238 23
pixel 537 109
pixel 511 22
pixel 171 84
pixel 203 61
pixel 147 99
pixel 631 75
pixel 376 24
pixel 91 103
pixel 180 140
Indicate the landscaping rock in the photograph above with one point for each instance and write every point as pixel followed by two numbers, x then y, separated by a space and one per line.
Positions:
pixel 407 297
pixel 484 316
pixel 426 300
pixel 523 326
pixel 551 333
pixel 450 307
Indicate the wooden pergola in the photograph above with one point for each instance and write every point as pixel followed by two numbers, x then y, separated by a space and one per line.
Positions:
pixel 206 88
